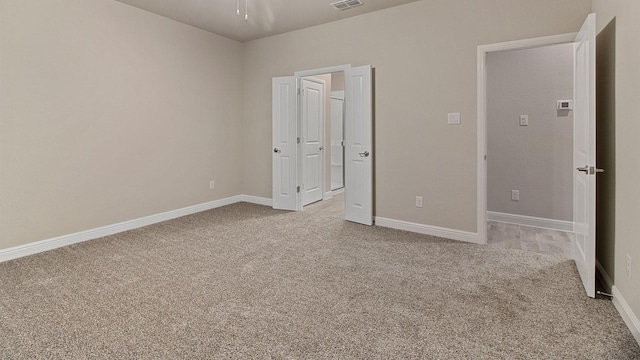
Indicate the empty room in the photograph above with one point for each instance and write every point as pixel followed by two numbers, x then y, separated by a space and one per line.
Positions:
pixel 191 179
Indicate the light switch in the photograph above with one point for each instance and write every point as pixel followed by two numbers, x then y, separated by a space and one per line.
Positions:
pixel 453 119
pixel 524 120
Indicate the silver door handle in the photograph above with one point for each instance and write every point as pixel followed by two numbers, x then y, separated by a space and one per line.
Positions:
pixel 276 150
pixel 364 154
pixel 590 170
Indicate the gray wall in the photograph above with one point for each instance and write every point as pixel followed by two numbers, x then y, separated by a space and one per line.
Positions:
pixel 425 55
pixel 536 159
pixel 110 113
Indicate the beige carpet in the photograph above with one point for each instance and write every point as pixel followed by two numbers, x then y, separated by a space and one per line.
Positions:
pixel 245 281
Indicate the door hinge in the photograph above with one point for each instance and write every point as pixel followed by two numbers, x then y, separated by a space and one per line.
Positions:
pixel 298 189
pixel 298 91
pixel 298 139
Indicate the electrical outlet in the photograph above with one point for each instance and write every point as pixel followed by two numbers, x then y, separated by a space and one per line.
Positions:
pixel 629 264
pixel 212 184
pixel 419 201
pixel 524 120
pixel 515 195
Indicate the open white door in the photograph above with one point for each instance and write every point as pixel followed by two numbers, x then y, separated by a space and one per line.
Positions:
pixel 313 108
pixel 584 154
pixel 358 146
pixel 285 133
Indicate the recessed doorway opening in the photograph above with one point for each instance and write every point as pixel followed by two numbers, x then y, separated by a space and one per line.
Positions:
pixel 302 137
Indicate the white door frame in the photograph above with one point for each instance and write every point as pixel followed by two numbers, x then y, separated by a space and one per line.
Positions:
pixel 310 73
pixel 482 115
pixel 322 71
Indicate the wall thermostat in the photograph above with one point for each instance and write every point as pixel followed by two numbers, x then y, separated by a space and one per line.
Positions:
pixel 565 104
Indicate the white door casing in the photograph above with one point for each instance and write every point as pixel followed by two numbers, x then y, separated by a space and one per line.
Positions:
pixel 584 154
pixel 358 146
pixel 313 123
pixel 284 135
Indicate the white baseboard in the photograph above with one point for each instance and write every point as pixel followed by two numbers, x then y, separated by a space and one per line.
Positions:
pixel 626 313
pixel 604 276
pixel 256 200
pixel 427 230
pixel 69 239
pixel 551 224
pixel 337 191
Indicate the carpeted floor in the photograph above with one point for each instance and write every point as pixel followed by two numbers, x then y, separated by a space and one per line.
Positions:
pixel 245 281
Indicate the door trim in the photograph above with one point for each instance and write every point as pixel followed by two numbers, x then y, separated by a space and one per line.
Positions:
pixel 481 186
pixel 321 71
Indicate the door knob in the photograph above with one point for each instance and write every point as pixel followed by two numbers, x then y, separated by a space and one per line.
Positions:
pixel 321 148
pixel 364 154
pixel 276 150
pixel 590 170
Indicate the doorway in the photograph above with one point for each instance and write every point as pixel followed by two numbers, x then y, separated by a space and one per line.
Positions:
pixel 357 144
pixel 483 51
pixel 322 115
pixel 584 145
pixel 530 149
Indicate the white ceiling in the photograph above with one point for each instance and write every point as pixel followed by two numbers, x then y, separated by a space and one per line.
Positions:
pixel 266 17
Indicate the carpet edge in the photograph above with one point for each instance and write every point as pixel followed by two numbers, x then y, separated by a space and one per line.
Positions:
pixel 90 234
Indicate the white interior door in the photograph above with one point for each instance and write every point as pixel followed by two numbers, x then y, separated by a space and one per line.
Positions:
pixel 284 134
pixel 358 146
pixel 313 111
pixel 584 154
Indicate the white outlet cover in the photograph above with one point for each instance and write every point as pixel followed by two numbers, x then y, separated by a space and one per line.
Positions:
pixel 453 119
pixel 524 120
pixel 564 105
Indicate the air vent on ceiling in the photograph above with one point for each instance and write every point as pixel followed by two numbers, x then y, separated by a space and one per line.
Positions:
pixel 346 4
